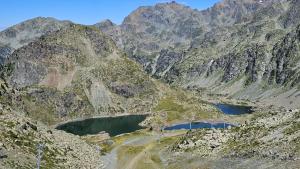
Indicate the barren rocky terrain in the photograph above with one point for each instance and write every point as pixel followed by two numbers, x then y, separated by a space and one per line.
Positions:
pixel 168 61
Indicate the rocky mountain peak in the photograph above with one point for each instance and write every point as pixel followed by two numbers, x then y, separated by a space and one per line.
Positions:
pixel 172 5
pixel 25 32
pixel 229 12
pixel 105 24
pixel 151 28
pixel 160 13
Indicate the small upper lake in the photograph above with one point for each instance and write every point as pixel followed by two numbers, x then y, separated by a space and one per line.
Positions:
pixel 234 109
pixel 198 125
pixel 225 108
pixel 112 125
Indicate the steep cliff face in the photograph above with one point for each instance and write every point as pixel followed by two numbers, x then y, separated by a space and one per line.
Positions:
pixel 284 65
pixel 291 16
pixel 21 34
pixel 5 51
pixel 277 65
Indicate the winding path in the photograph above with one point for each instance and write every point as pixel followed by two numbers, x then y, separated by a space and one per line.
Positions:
pixel 110 160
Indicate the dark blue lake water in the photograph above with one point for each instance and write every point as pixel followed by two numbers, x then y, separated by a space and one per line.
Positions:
pixel 225 108
pixel 198 125
pixel 234 109
pixel 112 125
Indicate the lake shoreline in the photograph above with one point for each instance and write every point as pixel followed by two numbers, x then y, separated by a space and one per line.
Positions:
pixel 112 125
pixel 95 117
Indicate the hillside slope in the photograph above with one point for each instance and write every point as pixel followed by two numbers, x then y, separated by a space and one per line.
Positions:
pixel 73 72
pixel 271 138
pixel 20 137
pixel 79 72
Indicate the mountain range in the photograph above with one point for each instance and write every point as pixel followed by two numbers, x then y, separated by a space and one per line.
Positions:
pixel 167 60
pixel 248 47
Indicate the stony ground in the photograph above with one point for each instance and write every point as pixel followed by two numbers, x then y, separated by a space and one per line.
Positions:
pixel 20 137
pixel 269 139
pixel 140 149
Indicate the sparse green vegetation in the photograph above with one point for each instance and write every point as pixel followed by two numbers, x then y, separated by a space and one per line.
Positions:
pixel 294 127
pixel 169 104
pixel 180 107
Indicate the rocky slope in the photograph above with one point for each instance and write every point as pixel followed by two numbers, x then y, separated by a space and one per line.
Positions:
pixel 254 60
pixel 150 29
pixel 268 139
pixel 5 51
pixel 21 34
pixel 20 137
pixel 147 30
pixel 73 72
pixel 236 45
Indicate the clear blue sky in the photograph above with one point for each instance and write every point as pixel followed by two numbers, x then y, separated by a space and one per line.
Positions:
pixel 79 11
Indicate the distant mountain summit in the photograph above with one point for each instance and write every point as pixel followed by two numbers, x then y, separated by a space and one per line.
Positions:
pixel 110 29
pixel 23 33
pixel 105 25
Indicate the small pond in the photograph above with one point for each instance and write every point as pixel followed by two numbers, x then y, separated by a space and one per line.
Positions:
pixel 198 125
pixel 112 125
pixel 234 109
